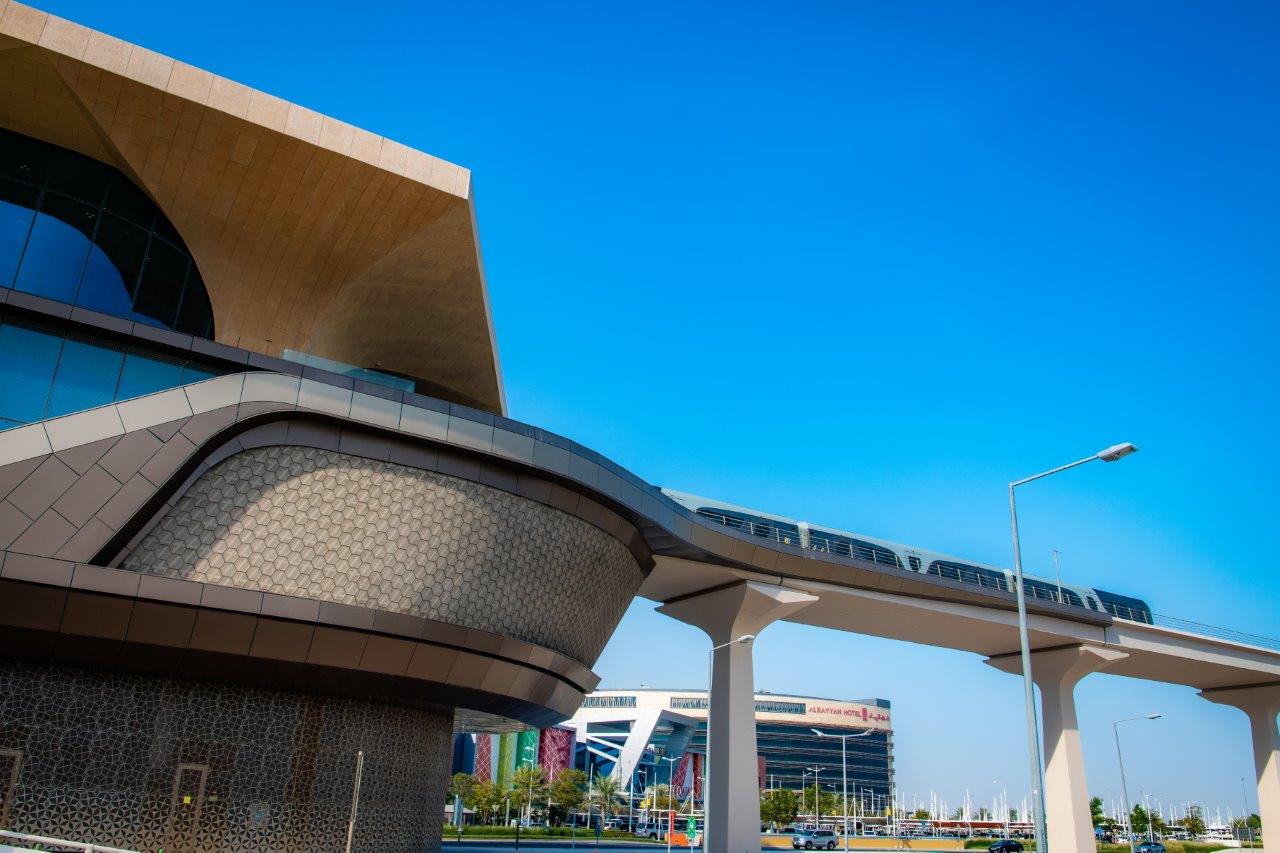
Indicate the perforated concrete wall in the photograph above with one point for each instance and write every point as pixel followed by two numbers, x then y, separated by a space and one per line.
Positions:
pixel 333 527
pixel 148 764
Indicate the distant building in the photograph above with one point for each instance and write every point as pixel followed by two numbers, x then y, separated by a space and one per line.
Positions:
pixel 630 732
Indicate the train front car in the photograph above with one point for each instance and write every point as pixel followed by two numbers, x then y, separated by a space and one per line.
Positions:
pixel 1125 607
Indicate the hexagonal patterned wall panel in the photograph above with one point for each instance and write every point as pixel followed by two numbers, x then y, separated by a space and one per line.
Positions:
pixel 148 764
pixel 328 526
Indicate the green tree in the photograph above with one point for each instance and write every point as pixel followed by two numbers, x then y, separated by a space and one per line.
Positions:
pixel 660 797
pixel 605 794
pixel 920 814
pixel 828 803
pixel 779 807
pixel 1095 811
pixel 569 790
pixel 1138 819
pixel 486 799
pixel 1194 821
pixel 528 787
pixel 461 786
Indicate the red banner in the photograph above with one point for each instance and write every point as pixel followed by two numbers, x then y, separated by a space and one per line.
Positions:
pixel 555 751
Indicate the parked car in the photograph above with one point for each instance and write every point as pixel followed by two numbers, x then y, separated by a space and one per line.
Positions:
pixel 1005 845
pixel 814 839
pixel 1150 847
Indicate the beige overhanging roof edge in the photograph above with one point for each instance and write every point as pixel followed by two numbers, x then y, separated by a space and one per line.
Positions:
pixel 383 272
pixel 210 90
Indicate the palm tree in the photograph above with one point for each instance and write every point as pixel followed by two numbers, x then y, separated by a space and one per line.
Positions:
pixel 606 794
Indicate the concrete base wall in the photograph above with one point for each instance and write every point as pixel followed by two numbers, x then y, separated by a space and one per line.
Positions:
pixel 148 763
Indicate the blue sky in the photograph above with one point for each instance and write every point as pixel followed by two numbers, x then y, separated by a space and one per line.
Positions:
pixel 863 264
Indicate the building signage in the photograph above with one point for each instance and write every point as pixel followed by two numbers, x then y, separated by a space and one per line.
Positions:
pixel 861 712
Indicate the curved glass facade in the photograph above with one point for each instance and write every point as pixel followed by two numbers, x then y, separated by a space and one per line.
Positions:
pixel 46 372
pixel 76 230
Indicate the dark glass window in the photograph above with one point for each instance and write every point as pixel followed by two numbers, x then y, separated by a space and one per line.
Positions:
pixel 26 159
pixel 115 261
pixel 88 373
pixel 54 258
pixel 28 360
pixel 77 230
pixel 195 317
pixel 160 288
pixel 46 372
pixel 17 209
pixel 146 373
pixel 80 177
pixel 132 203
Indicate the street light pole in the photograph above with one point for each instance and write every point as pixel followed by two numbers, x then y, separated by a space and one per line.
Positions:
pixel 706 771
pixel 844 772
pixel 1111 454
pixel 817 802
pixel 1057 572
pixel 1124 790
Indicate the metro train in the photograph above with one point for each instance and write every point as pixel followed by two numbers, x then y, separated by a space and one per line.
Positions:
pixel 804 534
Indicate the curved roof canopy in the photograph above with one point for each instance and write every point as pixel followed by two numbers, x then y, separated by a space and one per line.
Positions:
pixel 311 234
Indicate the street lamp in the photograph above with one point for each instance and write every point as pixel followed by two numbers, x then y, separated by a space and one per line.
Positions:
pixel 525 753
pixel 844 772
pixel 1111 454
pixel 706 773
pixel 817 801
pixel 1124 791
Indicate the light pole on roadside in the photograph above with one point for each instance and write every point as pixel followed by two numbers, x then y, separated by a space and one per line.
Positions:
pixel 1111 454
pixel 844 772
pixel 671 788
pixel 817 795
pixel 529 770
pixel 1124 790
pixel 706 770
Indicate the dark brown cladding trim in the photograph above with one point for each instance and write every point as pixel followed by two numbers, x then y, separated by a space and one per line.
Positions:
pixel 90 619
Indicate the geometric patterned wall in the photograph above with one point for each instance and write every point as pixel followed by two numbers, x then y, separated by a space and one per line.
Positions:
pixel 334 527
pixel 147 763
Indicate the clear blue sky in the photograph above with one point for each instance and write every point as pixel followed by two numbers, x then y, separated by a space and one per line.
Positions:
pixel 863 264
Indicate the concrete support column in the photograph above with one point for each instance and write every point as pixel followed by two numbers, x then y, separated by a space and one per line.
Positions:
pixel 732 800
pixel 1262 704
pixel 1056 672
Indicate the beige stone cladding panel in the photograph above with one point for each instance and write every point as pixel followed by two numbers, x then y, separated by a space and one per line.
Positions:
pixel 322 525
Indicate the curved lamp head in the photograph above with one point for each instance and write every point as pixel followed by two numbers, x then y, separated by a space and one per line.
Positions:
pixel 1117 451
pixel 745 638
pixel 1154 716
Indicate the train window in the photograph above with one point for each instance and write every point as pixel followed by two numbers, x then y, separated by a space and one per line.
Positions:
pixel 915 563
pixel 968 574
pixel 1049 592
pixel 1124 607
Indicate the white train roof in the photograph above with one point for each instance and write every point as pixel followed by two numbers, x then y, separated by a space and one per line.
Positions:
pixel 694 502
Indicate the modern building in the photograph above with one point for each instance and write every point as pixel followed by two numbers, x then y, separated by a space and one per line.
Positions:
pixel 630 732
pixel 265 534
pixel 647 736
